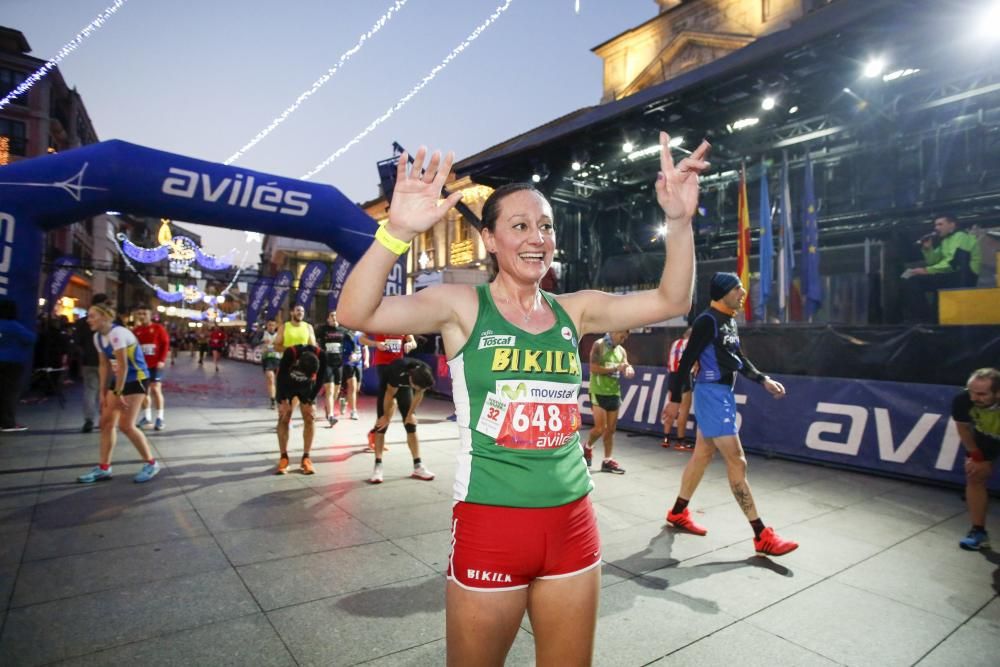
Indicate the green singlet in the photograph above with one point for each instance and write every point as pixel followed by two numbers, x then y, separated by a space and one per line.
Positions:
pixel 516 404
pixel 608 385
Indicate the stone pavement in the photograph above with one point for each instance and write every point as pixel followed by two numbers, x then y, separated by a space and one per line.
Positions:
pixel 219 562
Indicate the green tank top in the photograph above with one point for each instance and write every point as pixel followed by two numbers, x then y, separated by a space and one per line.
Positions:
pixel 516 405
pixel 295 335
pixel 608 385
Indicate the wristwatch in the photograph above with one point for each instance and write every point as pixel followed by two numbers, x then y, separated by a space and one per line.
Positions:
pixel 117 392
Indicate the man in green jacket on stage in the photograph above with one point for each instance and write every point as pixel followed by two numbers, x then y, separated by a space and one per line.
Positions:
pixel 953 260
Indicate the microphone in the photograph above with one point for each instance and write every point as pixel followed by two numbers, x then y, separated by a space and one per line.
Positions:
pixel 926 237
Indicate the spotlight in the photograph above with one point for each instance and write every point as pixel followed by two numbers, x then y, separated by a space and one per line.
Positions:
pixel 767 103
pixel 576 166
pixel 536 178
pixel 628 147
pixel 873 68
pixel 676 141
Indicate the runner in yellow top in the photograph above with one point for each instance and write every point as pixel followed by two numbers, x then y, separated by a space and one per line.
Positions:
pixel 513 549
pixel 295 332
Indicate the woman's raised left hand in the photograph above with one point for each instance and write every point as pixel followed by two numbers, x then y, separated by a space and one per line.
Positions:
pixel 416 204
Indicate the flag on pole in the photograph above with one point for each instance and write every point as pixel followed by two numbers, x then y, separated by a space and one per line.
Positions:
pixel 766 245
pixel 743 246
pixel 786 260
pixel 812 288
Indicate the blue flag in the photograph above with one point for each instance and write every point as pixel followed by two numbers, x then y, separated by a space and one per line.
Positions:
pixel 766 245
pixel 812 288
pixel 786 261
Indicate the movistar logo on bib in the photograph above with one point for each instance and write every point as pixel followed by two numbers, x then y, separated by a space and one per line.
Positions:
pixel 496 341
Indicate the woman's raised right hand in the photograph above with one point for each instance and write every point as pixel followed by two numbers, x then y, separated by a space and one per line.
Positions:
pixel 416 204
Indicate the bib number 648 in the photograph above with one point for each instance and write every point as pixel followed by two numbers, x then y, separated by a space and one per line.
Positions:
pixel 543 418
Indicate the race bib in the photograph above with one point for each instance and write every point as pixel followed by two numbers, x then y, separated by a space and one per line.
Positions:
pixel 355 357
pixel 333 348
pixel 394 344
pixel 538 415
pixel 149 348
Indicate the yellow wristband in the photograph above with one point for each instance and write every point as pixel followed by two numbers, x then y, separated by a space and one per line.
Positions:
pixel 390 242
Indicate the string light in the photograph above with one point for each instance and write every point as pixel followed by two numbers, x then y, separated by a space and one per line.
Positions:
pixel 317 84
pixel 416 89
pixel 86 32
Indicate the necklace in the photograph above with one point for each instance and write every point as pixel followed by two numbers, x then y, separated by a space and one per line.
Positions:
pixel 525 315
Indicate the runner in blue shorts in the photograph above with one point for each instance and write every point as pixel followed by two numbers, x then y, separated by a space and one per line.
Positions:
pixel 715 346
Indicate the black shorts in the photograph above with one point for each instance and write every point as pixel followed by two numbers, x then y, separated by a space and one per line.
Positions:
pixel 130 388
pixel 333 374
pixel 351 372
pixel 282 394
pixel 609 403
pixel 989 450
pixel 404 398
pixel 270 363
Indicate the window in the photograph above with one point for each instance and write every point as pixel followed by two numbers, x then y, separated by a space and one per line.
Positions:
pixel 9 80
pixel 16 133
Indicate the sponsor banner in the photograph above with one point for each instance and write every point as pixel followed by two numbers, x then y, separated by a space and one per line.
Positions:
pixel 243 352
pixel 257 298
pixel 61 272
pixel 886 427
pixel 282 283
pixel 339 271
pixel 310 279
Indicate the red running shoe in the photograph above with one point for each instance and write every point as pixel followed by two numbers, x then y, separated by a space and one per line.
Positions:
pixel 683 521
pixel 769 544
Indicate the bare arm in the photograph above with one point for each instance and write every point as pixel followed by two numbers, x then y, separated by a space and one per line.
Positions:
pixel 312 335
pixel 415 208
pixel 279 341
pixel 967 436
pixel 677 194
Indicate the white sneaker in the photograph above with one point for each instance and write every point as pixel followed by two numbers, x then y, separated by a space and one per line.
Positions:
pixel 377 475
pixel 354 415
pixel 421 472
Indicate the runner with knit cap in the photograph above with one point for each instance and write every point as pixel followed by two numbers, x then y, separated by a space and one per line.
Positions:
pixel 715 346
pixel 524 532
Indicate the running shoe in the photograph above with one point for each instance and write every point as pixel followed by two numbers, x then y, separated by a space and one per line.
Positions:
pixel 421 472
pixel 610 465
pixel 333 420
pixel 769 544
pixel 354 415
pixel 307 466
pixel 377 475
pixel 683 445
pixel 148 472
pixel 975 540
pixel 95 475
pixel 159 425
pixel 282 465
pixel 683 521
pixel 88 426
pixel 667 443
pixel 588 455
pixel 142 422
pixel 343 406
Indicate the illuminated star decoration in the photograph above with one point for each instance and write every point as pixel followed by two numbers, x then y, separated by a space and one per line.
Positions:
pixel 86 32
pixel 181 251
pixel 416 89
pixel 317 84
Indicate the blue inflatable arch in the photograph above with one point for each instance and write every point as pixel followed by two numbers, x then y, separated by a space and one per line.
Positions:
pixel 47 192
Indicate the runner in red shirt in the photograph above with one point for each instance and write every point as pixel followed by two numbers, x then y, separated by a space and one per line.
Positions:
pixel 155 343
pixel 217 342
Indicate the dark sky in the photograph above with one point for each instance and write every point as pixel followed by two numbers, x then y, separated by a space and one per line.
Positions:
pixel 203 77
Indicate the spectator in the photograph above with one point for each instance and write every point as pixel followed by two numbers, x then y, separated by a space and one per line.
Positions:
pixel 16 345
